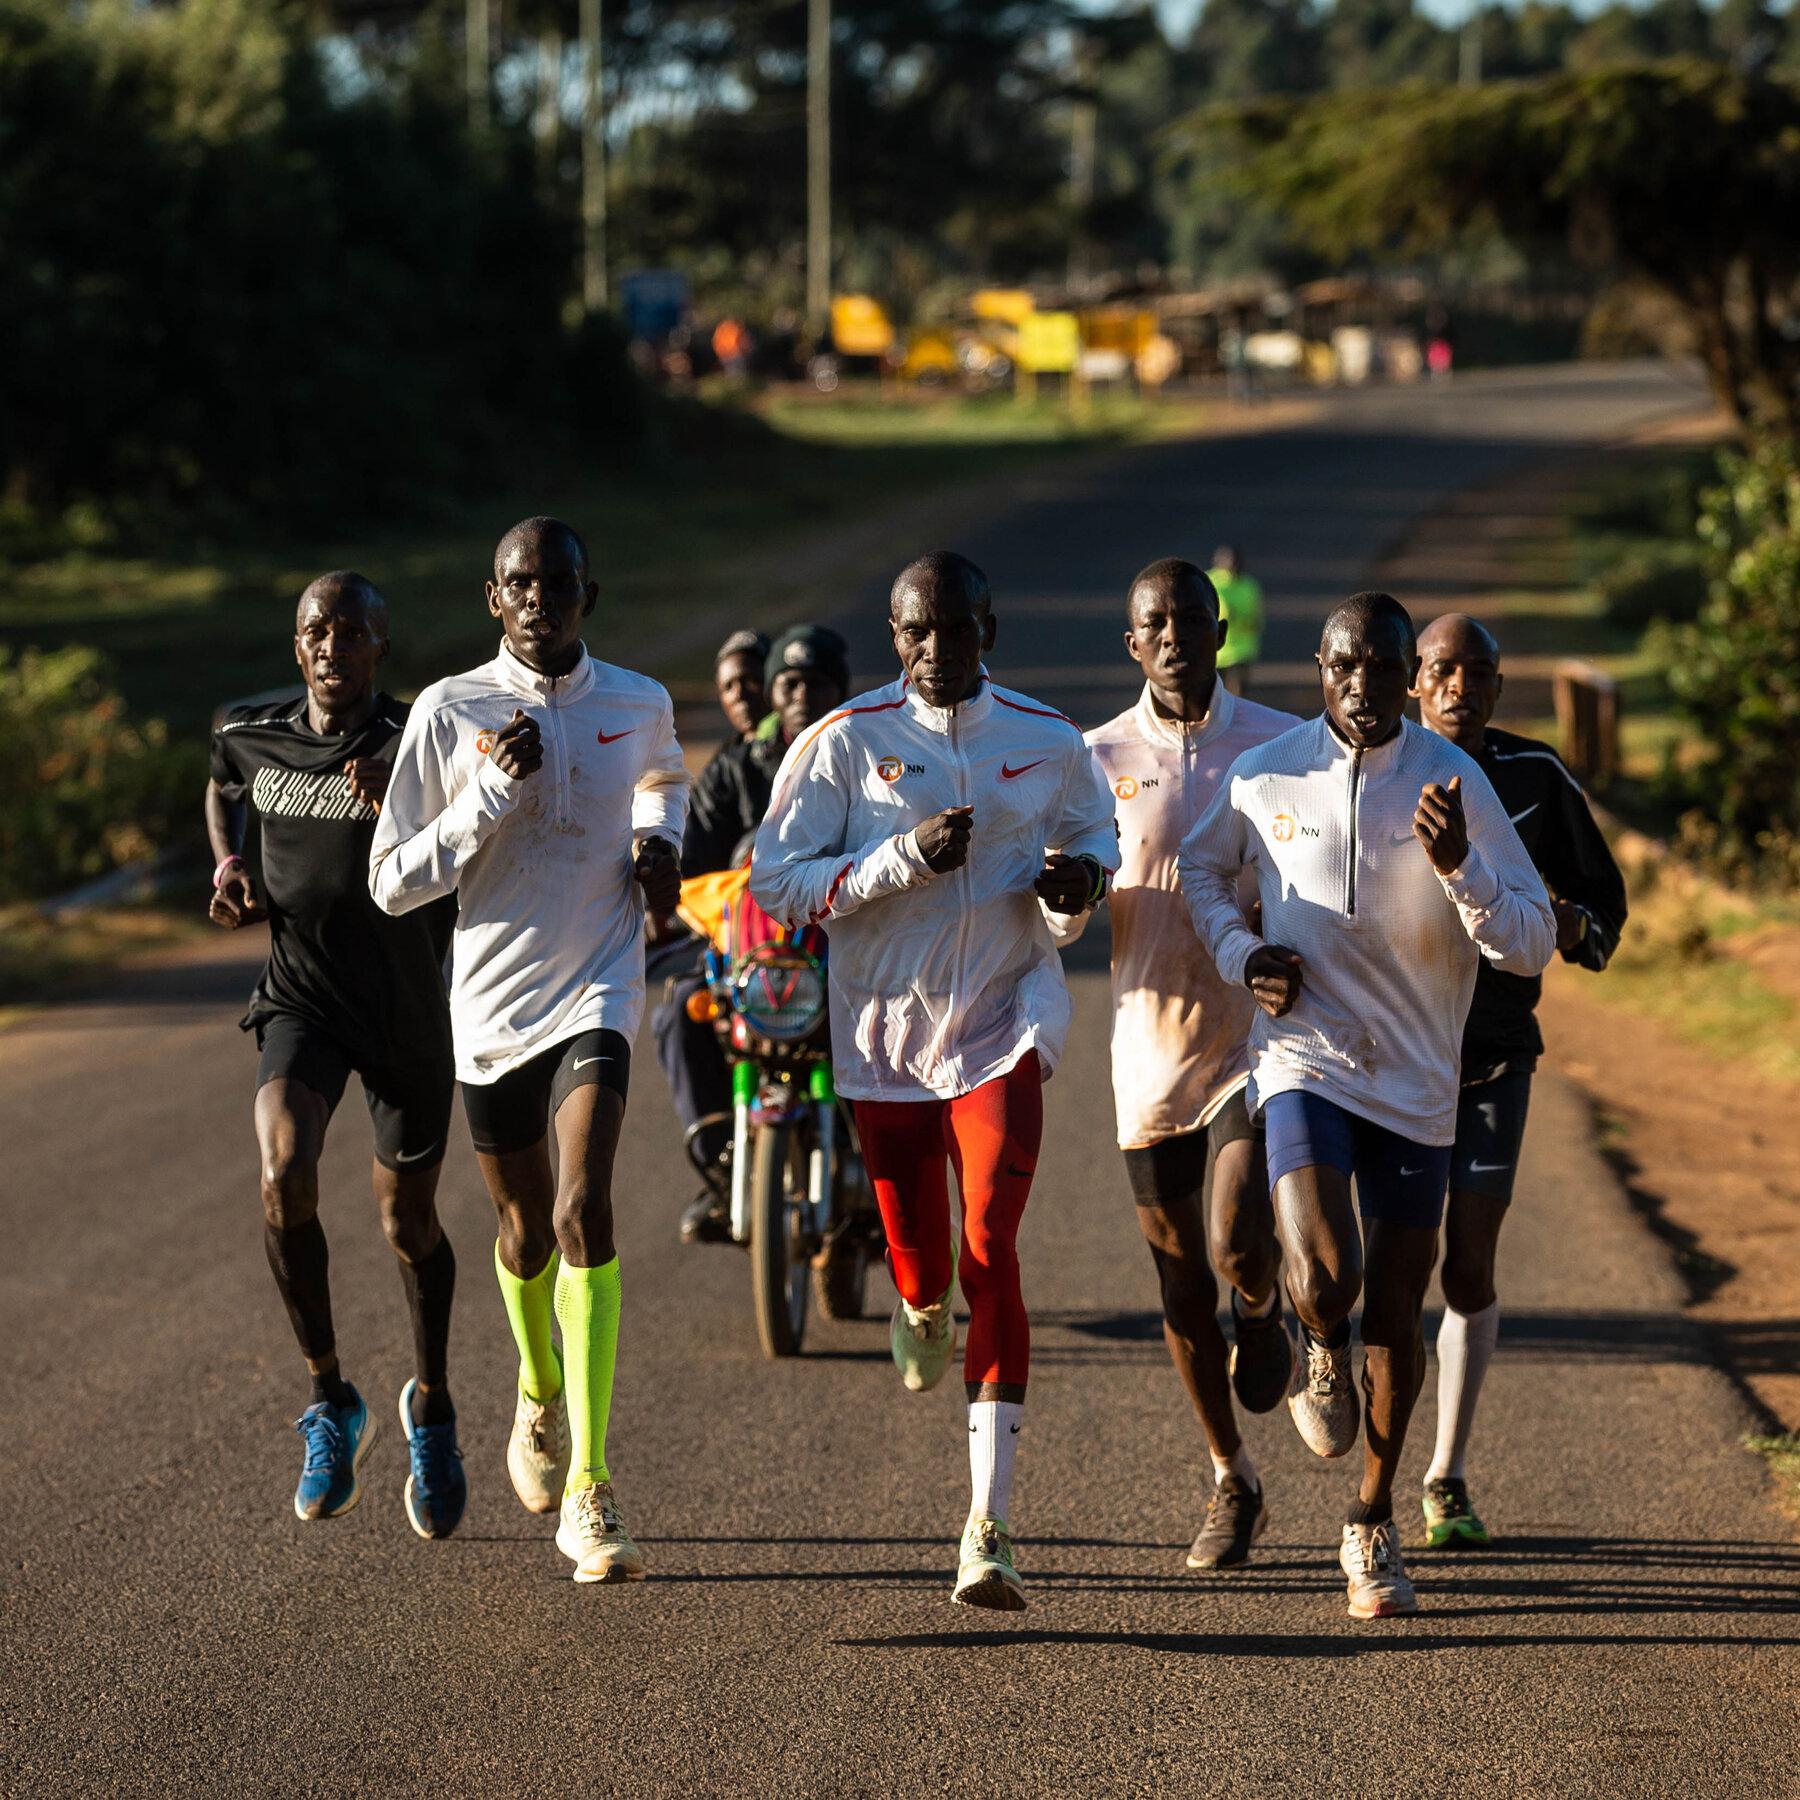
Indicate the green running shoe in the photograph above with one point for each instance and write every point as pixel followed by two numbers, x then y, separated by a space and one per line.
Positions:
pixel 923 1340
pixel 985 1575
pixel 1449 1518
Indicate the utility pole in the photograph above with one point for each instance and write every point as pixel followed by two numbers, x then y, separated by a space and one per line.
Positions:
pixel 818 162
pixel 476 52
pixel 1468 61
pixel 593 163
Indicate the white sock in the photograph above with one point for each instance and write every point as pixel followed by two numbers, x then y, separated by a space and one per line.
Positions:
pixel 1239 1465
pixel 993 1442
pixel 1464 1345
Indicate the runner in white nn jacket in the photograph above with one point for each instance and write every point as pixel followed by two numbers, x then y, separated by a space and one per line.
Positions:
pixel 1180 1041
pixel 1386 867
pixel 546 790
pixel 921 824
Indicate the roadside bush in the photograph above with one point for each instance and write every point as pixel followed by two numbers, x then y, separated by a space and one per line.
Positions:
pixel 87 788
pixel 1734 672
pixel 1652 585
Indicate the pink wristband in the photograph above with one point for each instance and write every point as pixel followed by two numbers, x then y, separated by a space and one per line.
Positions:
pixel 230 862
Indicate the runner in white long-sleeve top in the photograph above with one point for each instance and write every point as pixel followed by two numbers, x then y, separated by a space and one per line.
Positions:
pixel 547 791
pixel 1386 869
pixel 922 824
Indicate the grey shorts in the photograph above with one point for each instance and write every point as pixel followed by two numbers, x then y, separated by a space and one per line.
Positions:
pixel 1490 1128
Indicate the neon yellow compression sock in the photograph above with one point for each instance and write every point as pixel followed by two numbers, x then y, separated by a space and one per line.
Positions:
pixel 587 1308
pixel 528 1312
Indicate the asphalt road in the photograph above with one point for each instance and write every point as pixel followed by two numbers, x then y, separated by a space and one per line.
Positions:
pixel 169 1626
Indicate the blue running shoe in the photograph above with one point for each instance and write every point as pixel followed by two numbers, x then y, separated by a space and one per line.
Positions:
pixel 337 1438
pixel 437 1489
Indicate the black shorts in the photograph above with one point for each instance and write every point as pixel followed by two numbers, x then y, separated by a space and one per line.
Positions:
pixel 409 1095
pixel 1177 1171
pixel 1490 1128
pixel 514 1112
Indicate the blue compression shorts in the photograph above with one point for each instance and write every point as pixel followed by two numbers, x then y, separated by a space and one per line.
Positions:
pixel 1396 1180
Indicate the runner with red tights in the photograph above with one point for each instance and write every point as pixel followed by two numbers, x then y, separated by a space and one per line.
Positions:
pixel 922 824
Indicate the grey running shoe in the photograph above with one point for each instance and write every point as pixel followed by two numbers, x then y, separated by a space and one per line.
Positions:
pixel 1262 1357
pixel 593 1537
pixel 1236 1516
pixel 1323 1397
pixel 1378 1584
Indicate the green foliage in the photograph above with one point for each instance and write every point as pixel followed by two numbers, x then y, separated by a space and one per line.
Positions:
pixel 1650 585
pixel 233 281
pixel 1735 671
pixel 87 789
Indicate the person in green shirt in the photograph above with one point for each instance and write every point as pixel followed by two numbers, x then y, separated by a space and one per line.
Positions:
pixel 1241 607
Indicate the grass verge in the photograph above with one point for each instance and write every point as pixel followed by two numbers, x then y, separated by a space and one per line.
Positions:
pixel 1782 1454
pixel 44 960
pixel 185 631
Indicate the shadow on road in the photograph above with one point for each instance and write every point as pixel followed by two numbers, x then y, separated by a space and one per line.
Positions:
pixel 1382 1640
pixel 1758 1345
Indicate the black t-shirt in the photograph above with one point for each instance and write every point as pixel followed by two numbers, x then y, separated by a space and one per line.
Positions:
pixel 375 983
pixel 1550 814
pixel 728 802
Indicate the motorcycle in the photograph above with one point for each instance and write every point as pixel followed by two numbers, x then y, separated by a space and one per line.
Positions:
pixel 800 1197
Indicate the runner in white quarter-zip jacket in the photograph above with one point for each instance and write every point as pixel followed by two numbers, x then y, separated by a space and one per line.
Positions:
pixel 547 791
pixel 922 824
pixel 1180 1042
pixel 1386 869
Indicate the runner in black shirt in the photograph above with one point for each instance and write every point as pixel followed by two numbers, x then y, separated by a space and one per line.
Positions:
pixel 345 987
pixel 1458 687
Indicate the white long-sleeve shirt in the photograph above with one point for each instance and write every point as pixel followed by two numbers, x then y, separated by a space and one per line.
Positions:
pixel 550 925
pixel 1181 1035
pixel 938 983
pixel 1388 946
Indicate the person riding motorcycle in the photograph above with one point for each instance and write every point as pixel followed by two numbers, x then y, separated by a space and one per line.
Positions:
pixel 808 675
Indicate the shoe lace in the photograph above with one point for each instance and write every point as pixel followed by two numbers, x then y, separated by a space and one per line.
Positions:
pixel 596 1514
pixel 1323 1376
pixel 1224 1506
pixel 1374 1552
pixel 543 1428
pixel 434 1455
pixel 990 1541
pixel 323 1437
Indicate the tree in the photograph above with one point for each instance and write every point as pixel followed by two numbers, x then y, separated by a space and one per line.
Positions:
pixel 1682 175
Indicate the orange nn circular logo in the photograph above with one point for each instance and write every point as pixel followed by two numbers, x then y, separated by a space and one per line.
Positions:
pixel 1282 828
pixel 890 768
pixel 484 742
pixel 1126 787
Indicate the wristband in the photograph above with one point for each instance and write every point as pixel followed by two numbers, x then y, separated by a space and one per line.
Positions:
pixel 230 862
pixel 1097 892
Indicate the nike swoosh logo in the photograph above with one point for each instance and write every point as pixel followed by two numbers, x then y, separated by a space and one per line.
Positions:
pixel 1009 773
pixel 1516 817
pixel 417 1156
pixel 1404 837
pixel 1022 1174
pixel 1406 1172
pixel 587 1062
pixel 1487 1168
pixel 602 737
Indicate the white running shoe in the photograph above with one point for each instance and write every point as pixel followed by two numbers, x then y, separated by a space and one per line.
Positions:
pixel 985 1575
pixel 593 1536
pixel 1370 1558
pixel 923 1342
pixel 537 1453
pixel 1322 1399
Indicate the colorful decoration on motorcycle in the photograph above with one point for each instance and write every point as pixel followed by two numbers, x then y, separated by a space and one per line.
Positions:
pixel 780 992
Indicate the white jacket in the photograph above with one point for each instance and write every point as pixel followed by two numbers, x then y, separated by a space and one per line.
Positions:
pixel 1180 1041
pixel 550 923
pixel 1389 947
pixel 939 983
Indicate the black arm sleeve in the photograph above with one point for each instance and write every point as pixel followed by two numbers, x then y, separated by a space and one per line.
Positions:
pixel 713 826
pixel 1579 868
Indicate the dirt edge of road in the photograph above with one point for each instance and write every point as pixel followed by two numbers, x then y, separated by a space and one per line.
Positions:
pixel 1703 1147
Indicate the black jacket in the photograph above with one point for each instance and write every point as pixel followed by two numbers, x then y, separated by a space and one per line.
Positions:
pixel 1550 814
pixel 728 803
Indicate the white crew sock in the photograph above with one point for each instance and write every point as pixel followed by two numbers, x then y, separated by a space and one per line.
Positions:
pixel 1464 1345
pixel 993 1442
pixel 1239 1465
